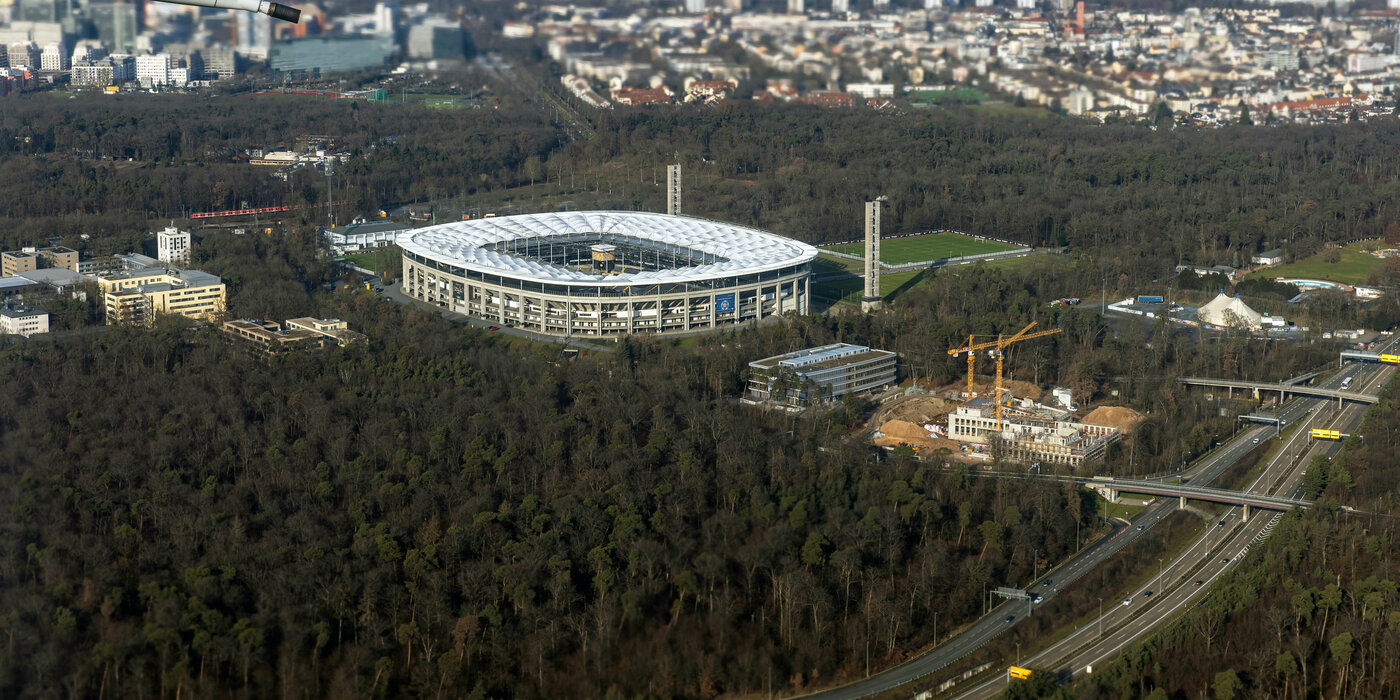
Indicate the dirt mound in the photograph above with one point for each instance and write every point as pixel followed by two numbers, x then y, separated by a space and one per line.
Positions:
pixel 923 443
pixel 1115 417
pixel 904 429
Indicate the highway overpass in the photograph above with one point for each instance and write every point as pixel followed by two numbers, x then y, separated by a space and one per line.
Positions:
pixel 1282 389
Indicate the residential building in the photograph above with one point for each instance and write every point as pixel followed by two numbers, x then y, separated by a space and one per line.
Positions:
pixel 1268 257
pixel 139 296
pixel 819 374
pixel 54 57
pixel 361 235
pixel 18 320
pixel 1200 271
pixel 173 246
pixel 14 262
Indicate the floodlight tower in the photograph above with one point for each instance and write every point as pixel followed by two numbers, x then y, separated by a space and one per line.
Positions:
pixel 673 189
pixel 872 300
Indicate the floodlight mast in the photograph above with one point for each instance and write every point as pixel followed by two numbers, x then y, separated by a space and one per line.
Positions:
pixel 272 9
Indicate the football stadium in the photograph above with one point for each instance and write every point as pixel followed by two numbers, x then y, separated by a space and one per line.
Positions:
pixel 602 273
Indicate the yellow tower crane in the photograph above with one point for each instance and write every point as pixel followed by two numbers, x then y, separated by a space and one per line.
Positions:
pixel 997 346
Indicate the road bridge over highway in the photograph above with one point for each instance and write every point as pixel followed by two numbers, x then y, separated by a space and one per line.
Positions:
pixel 1113 487
pixel 1283 389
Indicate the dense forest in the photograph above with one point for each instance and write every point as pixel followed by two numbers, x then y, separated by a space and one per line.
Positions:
pixel 450 512
pixel 1136 199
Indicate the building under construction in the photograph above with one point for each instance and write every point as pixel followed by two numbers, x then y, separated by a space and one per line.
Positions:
pixel 1031 432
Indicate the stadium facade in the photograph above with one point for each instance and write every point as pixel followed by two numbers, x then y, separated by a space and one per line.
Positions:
pixel 603 273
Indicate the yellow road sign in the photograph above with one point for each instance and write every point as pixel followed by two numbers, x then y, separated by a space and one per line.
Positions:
pixel 1018 672
pixel 1323 434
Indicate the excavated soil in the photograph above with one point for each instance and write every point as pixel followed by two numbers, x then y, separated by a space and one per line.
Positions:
pixel 1115 417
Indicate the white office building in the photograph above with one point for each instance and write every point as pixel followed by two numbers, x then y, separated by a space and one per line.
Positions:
pixel 17 320
pixel 173 246
pixel 154 69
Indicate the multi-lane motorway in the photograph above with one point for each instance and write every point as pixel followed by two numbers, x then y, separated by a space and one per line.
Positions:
pixel 1175 587
pixel 1128 618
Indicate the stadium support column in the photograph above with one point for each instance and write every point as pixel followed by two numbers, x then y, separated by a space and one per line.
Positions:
pixel 673 189
pixel 871 300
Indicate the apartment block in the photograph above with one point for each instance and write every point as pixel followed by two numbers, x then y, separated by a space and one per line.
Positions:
pixel 137 297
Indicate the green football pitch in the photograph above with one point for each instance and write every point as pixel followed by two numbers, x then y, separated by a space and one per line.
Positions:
pixel 934 246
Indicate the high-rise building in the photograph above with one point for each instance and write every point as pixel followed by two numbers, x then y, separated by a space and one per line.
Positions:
pixel 695 7
pixel 4 56
pixel 117 25
pixel 220 63
pixel 386 17
pixel 796 7
pixel 41 10
pixel 840 7
pixel 25 55
pixel 437 38
pixel 153 69
pixel 54 57
pixel 173 246
pixel 252 34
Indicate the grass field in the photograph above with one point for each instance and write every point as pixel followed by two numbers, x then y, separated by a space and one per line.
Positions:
pixel 935 246
pixel 850 288
pixel 1355 267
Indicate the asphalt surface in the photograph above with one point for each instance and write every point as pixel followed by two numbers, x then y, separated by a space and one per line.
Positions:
pixel 1174 588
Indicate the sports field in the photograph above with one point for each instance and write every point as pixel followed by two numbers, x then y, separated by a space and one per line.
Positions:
pixel 934 246
pixel 1353 267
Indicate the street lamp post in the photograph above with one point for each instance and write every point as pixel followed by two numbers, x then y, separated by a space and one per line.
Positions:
pixel 1018 653
pixel 935 628
pixel 1159 574
pixel 1100 619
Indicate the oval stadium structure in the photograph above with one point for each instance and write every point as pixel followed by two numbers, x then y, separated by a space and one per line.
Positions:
pixel 606 273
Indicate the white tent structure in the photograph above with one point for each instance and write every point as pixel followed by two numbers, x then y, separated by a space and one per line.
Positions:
pixel 1230 312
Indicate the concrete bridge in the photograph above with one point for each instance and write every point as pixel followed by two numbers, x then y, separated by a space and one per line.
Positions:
pixel 1282 389
pixel 1113 486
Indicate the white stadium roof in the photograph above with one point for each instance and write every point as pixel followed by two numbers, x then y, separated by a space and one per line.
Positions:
pixel 745 250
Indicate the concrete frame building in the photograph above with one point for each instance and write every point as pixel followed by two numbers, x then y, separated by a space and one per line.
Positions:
pixel 137 297
pixel 831 371
pixel 606 273
pixel 673 190
pixel 1031 432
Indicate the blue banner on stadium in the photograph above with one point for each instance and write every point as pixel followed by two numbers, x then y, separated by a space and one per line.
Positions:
pixel 724 302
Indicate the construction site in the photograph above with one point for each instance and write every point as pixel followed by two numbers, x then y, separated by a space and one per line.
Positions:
pixel 999 419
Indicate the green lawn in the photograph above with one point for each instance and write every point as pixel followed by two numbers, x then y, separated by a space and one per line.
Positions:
pixel 851 288
pixel 935 246
pixel 369 261
pixel 1354 267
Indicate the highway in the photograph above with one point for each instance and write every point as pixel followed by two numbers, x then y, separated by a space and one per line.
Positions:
pixel 1119 624
pixel 1129 616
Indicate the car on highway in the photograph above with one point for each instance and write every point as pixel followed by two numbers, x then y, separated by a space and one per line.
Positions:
pixel 1147 594
pixel 1139 527
pixel 1036 598
pixel 1224 561
pixel 1010 619
pixel 1256 441
pixel 1199 582
pixel 493 328
pixel 1220 524
pixel 1127 601
pixel 1046 583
